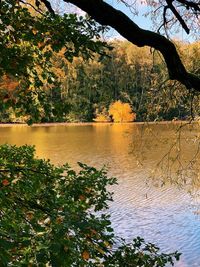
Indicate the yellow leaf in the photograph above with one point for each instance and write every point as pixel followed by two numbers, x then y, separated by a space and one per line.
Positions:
pixel 34 31
pixel 59 220
pixel 15 181
pixel 107 244
pixel 101 250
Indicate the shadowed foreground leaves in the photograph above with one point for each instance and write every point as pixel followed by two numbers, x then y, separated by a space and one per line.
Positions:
pixel 57 217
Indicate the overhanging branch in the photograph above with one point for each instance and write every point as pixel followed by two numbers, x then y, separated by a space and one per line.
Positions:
pixel 178 16
pixel 190 4
pixel 48 6
pixel 105 14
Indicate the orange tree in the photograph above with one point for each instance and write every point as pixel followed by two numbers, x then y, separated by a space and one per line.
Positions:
pixel 121 112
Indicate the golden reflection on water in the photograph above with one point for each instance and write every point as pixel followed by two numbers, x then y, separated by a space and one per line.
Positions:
pixel 168 152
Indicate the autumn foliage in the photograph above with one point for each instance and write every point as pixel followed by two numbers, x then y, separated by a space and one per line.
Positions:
pixel 102 116
pixel 8 83
pixel 121 112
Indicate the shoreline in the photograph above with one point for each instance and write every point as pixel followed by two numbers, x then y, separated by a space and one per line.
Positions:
pixel 49 124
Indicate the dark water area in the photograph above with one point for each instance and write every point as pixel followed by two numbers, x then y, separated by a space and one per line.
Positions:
pixel 157 167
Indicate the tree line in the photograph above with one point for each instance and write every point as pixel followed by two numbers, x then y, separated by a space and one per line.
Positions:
pixel 85 89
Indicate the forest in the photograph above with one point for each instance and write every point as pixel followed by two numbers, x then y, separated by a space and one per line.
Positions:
pixel 86 88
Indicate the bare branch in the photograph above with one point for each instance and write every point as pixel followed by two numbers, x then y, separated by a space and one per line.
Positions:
pixel 32 6
pixel 189 4
pixel 177 15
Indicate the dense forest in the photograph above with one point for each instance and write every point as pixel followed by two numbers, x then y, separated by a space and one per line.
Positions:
pixel 86 89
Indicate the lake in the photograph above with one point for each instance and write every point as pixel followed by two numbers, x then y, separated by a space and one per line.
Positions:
pixel 157 167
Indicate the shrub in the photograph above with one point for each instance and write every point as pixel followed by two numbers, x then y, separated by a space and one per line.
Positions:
pixel 53 216
pixel 121 112
pixel 102 116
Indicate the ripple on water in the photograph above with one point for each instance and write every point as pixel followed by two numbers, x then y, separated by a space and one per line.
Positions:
pixel 163 217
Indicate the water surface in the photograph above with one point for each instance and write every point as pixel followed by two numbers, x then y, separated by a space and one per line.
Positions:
pixel 157 169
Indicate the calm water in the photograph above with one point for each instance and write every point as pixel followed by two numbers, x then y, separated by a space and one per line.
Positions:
pixel 157 169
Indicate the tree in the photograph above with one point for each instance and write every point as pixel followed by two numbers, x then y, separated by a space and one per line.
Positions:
pixel 107 15
pixel 121 112
pixel 28 40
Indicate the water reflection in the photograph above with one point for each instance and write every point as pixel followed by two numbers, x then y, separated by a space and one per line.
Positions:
pixel 173 151
pixel 152 199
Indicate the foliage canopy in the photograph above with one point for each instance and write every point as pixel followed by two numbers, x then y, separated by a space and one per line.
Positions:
pixel 28 40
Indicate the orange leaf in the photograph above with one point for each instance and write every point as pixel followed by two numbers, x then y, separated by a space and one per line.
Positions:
pixel 5 182
pixel 41 44
pixel 85 255
pixel 82 197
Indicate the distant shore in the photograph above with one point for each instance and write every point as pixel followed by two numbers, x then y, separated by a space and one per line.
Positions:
pixel 49 124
